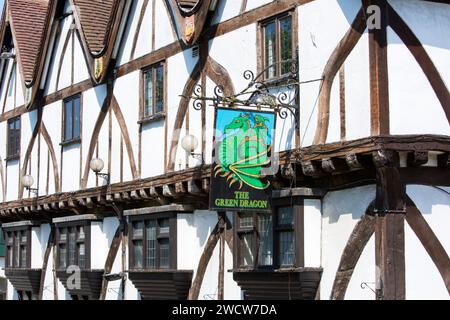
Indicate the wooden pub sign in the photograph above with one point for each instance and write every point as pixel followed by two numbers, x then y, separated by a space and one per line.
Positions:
pixel 243 144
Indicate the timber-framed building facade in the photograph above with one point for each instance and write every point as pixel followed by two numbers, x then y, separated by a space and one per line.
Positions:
pixel 95 100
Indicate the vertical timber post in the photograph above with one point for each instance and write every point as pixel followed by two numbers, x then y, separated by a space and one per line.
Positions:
pixel 379 84
pixel 390 208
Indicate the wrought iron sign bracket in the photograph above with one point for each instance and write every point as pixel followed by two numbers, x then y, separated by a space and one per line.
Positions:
pixel 281 97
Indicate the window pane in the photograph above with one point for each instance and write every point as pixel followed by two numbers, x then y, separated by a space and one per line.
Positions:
pixel 138 254
pixel 138 230
pixel 68 120
pixel 81 256
pixel 246 250
pixel 270 48
pixel 76 118
pixel 159 89
pixel 72 246
pixel 23 256
pixel 23 237
pixel 13 147
pixel 246 220
pixel 286 43
pixel 286 248
pixel 285 216
pixel 17 249
pixel 10 256
pixel 266 240
pixel 151 244
pixel 164 225
pixel 62 256
pixel 164 254
pixel 63 235
pixel 81 235
pixel 148 93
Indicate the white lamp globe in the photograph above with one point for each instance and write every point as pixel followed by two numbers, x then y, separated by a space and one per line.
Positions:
pixel 189 143
pixel 97 165
pixel 27 181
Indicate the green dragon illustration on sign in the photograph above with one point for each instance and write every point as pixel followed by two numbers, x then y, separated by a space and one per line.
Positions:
pixel 245 147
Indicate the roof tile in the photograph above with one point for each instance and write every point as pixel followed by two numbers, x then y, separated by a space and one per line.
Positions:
pixel 96 17
pixel 29 20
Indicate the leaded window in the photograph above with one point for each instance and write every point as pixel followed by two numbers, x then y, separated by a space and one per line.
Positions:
pixel 152 244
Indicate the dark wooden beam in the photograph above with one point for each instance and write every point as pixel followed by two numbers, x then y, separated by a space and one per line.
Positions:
pixel 379 83
pixel 417 158
pixel 334 165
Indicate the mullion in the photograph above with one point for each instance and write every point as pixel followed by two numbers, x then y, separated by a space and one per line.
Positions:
pixel 72 114
pixel 157 247
pixel 144 244
pixel 153 70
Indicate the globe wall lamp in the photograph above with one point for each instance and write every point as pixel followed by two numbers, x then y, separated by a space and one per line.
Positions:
pixel 97 165
pixel 27 182
pixel 189 143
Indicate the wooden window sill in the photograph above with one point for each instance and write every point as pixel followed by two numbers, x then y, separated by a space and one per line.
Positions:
pixel 153 118
pixel 70 142
pixel 277 81
pixel 12 158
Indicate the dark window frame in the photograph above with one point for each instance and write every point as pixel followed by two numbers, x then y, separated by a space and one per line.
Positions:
pixel 14 235
pixel 171 237
pixel 262 64
pixel 154 114
pixel 297 227
pixel 72 138
pixel 13 139
pixel 63 228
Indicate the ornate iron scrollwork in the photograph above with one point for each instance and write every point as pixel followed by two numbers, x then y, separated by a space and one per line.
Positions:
pixel 259 93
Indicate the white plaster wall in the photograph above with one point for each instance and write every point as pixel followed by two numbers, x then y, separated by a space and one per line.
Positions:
pixel 226 10
pixel 5 91
pixel 243 50
pixel 20 97
pixel 65 76
pixel 423 280
pixel 357 91
pixel 53 67
pixel 37 248
pixel 252 4
pixel 116 137
pixel 48 292
pixel 12 178
pixel 430 22
pixel 93 101
pixel 51 117
pixel 193 232
pixel 152 153
pixel 412 94
pixel 364 272
pixel 144 43
pixel 99 244
pixel 11 293
pixel 71 160
pixel 313 232
pixel 110 226
pixel 129 104
pixel 316 43
pixel 341 212
pixel 163 32
pixel 81 71
pixel 9 103
pixel 130 30
pixel 179 67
